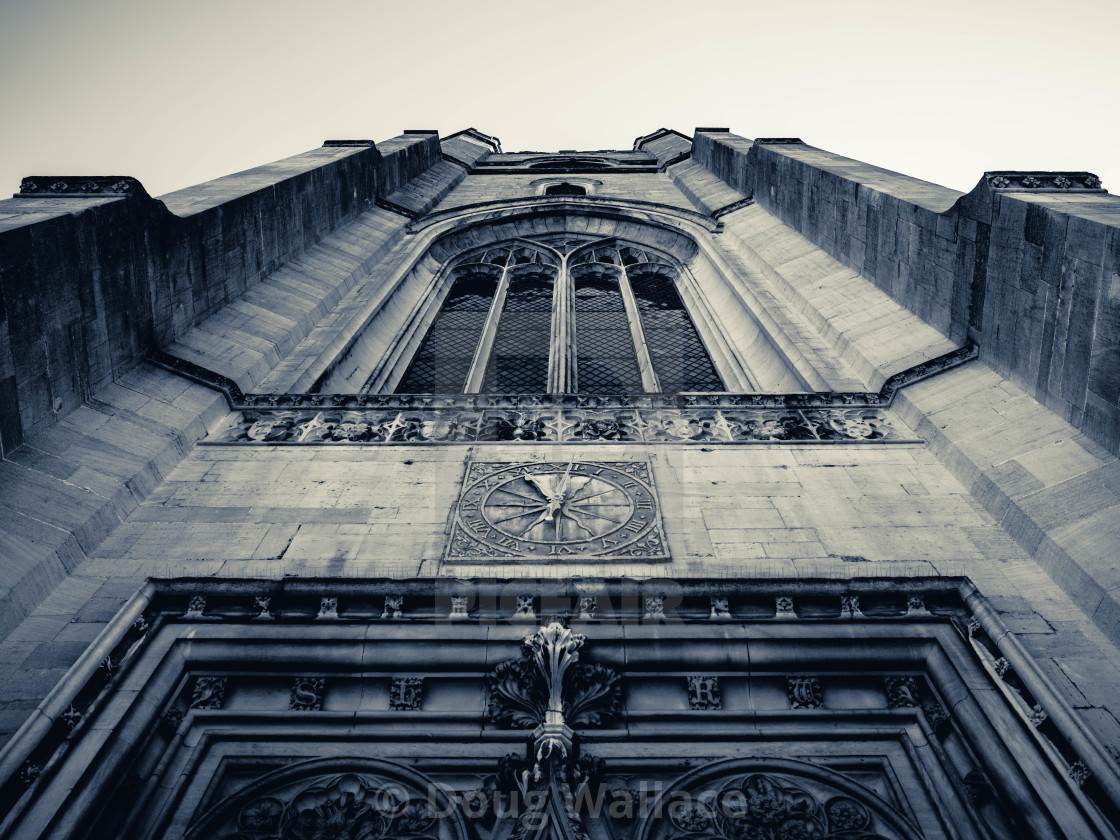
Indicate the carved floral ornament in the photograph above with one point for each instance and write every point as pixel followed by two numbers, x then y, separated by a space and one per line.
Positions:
pixel 335 799
pixel 771 799
pixel 549 684
pixel 664 425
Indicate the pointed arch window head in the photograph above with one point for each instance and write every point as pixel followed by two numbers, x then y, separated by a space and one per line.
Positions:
pixel 562 314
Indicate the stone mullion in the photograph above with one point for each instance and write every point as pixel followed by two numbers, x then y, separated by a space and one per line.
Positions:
pixel 486 343
pixel 650 383
pixel 562 346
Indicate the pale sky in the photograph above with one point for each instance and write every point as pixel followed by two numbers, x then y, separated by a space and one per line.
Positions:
pixel 175 93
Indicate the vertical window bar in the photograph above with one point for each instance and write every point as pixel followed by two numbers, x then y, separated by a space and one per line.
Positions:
pixel 679 356
pixel 562 353
pixel 650 382
pixel 519 360
pixel 445 355
pixel 604 341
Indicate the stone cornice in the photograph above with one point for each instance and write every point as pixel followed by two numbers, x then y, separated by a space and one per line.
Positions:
pixel 781 402
pixel 81 186
pixel 1048 182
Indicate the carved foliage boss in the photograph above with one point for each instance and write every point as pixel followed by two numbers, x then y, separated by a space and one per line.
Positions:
pixel 548 683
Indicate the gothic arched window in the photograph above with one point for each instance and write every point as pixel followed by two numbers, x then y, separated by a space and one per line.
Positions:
pixel 564 314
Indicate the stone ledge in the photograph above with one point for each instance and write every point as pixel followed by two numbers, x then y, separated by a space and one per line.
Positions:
pixel 66 489
pixel 1053 489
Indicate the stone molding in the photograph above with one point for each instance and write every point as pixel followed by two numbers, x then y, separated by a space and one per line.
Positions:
pixel 224 660
pixel 238 400
pixel 81 186
pixel 1047 182
pixel 716 426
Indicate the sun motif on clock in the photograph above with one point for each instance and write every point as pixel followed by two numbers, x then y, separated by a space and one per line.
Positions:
pixel 550 511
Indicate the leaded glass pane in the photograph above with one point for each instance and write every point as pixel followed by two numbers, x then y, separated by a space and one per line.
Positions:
pixel 444 359
pixel 679 357
pixel 519 360
pixel 605 358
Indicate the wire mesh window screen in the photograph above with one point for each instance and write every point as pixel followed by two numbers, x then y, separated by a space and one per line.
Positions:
pixel 605 359
pixel 679 358
pixel 519 360
pixel 444 359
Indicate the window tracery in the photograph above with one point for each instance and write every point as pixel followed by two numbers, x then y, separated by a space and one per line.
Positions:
pixel 562 314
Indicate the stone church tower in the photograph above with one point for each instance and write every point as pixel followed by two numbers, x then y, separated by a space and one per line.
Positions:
pixel 714 489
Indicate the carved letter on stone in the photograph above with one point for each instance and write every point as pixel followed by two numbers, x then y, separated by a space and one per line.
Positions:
pixel 805 693
pixel 703 693
pixel 406 694
pixel 307 694
pixel 208 693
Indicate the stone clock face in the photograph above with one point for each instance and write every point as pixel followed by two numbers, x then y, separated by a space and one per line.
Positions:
pixel 558 511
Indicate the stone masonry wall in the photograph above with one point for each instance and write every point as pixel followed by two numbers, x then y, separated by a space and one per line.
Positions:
pixel 382 511
pixel 89 284
pixel 1030 276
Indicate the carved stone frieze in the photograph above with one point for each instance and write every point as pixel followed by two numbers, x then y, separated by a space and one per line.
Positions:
pixel 653 425
pixel 356 806
pixel 557 511
pixel 1044 181
pixel 112 186
pixel 775 805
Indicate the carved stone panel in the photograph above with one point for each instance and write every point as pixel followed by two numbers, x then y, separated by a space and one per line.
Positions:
pixel 557 511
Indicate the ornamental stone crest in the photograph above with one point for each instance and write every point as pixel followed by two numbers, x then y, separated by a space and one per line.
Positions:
pixel 557 511
pixel 548 684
